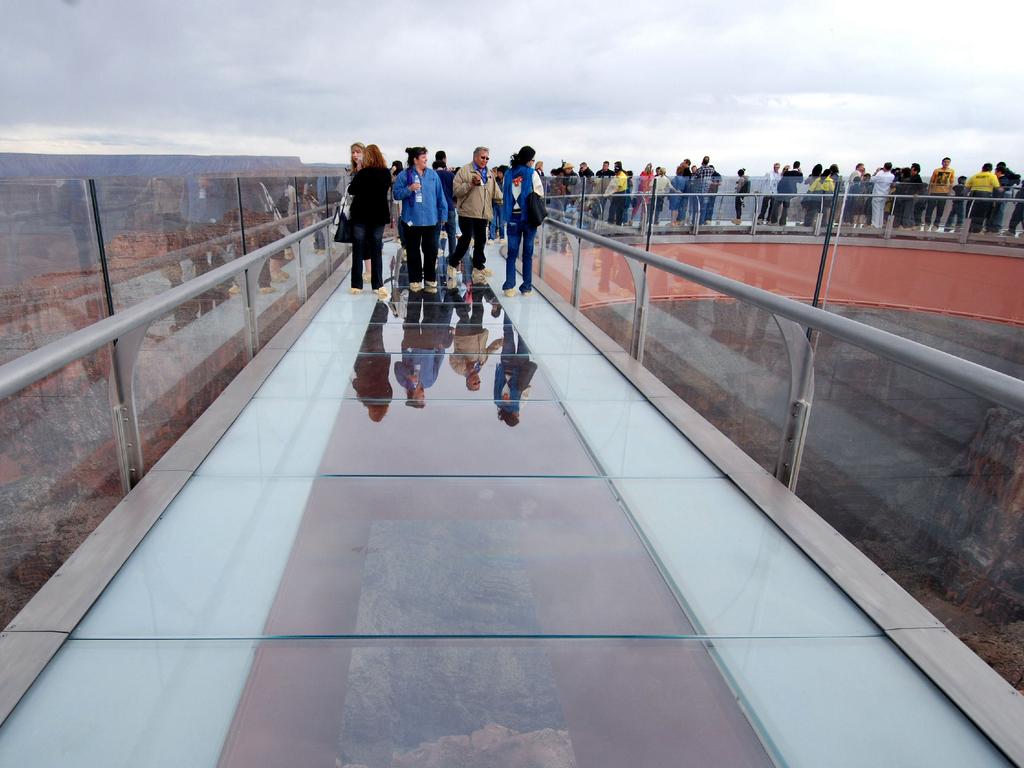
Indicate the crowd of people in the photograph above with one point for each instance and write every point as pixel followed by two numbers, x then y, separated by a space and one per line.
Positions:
pixel 992 199
pixel 439 206
pixel 448 211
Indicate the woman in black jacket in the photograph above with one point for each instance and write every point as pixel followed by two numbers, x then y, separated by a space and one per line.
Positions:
pixel 370 214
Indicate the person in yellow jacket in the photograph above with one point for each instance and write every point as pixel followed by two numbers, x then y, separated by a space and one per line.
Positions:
pixel 981 186
pixel 476 191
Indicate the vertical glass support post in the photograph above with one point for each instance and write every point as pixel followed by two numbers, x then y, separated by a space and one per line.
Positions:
pixel 576 280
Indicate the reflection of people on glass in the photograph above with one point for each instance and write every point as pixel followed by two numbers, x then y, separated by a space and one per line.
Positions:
pixel 372 381
pixel 513 376
pixel 471 348
pixel 423 344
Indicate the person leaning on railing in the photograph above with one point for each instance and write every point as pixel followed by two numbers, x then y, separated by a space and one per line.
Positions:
pixel 981 186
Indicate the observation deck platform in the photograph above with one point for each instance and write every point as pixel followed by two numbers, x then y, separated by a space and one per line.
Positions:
pixel 446 530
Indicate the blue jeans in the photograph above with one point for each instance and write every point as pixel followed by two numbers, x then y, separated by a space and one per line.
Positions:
pixel 497 227
pixel 449 227
pixel 519 231
pixel 707 207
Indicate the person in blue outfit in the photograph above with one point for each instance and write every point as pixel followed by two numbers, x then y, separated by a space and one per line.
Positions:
pixel 449 227
pixel 520 181
pixel 423 207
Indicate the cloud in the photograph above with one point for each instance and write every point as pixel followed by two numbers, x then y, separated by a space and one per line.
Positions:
pixel 643 81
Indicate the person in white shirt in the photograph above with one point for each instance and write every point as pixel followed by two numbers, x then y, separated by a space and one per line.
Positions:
pixel 881 184
pixel 769 187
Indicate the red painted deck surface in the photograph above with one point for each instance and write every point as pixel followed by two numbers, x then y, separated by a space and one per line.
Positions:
pixel 965 284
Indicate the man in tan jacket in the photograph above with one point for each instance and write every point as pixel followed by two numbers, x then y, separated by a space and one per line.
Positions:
pixel 475 191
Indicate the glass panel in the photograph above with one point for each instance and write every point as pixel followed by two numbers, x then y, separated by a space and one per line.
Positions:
pixel 738 573
pixel 630 438
pixel 607 293
pixel 160 232
pixel 726 359
pixel 494 703
pixel 51 282
pixel 303 438
pixel 519 556
pixel 268 207
pixel 923 478
pixel 314 249
pixel 59 474
pixel 788 269
pixel 557 260
pixel 966 304
pixel 186 361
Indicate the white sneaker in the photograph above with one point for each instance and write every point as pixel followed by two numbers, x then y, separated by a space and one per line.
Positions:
pixel 487 272
pixel 479 277
pixel 510 292
pixel 382 294
pixel 415 287
pixel 431 286
pixel 355 290
pixel 453 272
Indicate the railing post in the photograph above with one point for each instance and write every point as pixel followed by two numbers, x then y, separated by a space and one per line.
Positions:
pixel 250 287
pixel 576 268
pixel 300 278
pixel 327 230
pixel 697 214
pixel 639 274
pixel 798 407
pixel 887 234
pixel 583 199
pixel 965 224
pixel 753 218
pixel 650 213
pixel 125 354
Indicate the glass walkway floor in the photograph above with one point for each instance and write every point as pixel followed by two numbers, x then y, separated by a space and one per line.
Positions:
pixel 447 532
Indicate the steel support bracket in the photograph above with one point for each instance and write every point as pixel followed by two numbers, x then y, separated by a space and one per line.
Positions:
pixel 125 354
pixel 798 407
pixel 638 272
pixel 250 287
pixel 576 270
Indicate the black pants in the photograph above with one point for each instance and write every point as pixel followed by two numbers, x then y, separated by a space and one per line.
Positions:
pixel 425 265
pixel 782 209
pixel 477 230
pixel 981 207
pixel 1016 218
pixel 367 243
pixel 933 211
pixel 767 209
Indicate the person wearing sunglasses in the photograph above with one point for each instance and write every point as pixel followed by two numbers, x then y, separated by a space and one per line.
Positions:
pixel 476 191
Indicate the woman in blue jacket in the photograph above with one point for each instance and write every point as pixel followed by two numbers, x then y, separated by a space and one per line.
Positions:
pixel 423 206
pixel 520 180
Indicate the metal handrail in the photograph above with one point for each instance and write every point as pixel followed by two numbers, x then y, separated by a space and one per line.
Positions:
pixel 39 363
pixel 971 377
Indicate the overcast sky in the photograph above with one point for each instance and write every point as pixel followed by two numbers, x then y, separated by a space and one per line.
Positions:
pixel 745 82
